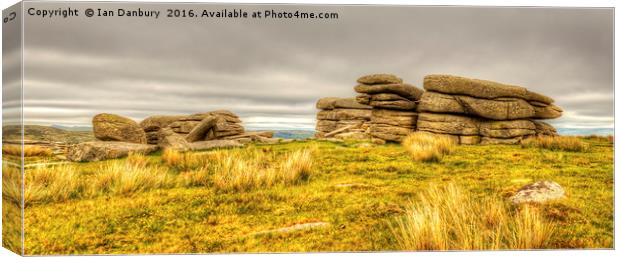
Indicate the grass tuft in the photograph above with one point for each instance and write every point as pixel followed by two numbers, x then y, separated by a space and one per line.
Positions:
pixel 243 171
pixel 427 147
pixel 29 150
pixel 447 218
pixel 556 143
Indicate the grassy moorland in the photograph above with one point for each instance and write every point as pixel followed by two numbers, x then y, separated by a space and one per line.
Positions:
pixel 361 197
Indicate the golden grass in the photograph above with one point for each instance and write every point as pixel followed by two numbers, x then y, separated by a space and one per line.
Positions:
pixel 563 143
pixel 11 183
pixel 44 184
pixel 428 147
pixel 235 170
pixel 126 179
pixel 257 169
pixel 447 218
pixel 185 161
pixel 29 150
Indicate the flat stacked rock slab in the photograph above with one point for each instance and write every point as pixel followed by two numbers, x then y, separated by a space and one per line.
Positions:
pixel 481 111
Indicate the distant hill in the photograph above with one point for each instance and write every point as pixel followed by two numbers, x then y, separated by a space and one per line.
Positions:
pixel 46 133
pixel 585 131
pixel 73 128
pixel 293 134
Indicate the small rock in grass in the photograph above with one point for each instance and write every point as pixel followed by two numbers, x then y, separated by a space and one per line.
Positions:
pixel 538 192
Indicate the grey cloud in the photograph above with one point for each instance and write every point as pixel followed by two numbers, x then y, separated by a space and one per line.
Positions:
pixel 279 68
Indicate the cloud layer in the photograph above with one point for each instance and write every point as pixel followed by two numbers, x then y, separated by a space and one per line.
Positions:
pixel 271 72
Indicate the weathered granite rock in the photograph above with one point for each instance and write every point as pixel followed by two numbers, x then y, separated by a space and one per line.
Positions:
pixel 394 118
pixel 448 124
pixel 455 85
pixel 330 103
pixel 538 192
pixel 379 79
pixel 547 112
pixel 171 140
pixel 157 122
pixel 104 150
pixel 496 109
pixel 389 132
pixel 544 129
pixel 225 114
pixel 344 114
pixel 112 127
pixel 507 129
pixel 199 132
pixel 405 90
pixel 184 127
pixel 397 104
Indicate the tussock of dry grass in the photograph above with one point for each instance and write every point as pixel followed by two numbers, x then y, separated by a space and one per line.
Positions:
pixel 235 172
pixel 126 179
pixel 562 143
pixel 185 161
pixel 44 184
pixel 11 183
pixel 428 147
pixel 448 218
pixel 29 150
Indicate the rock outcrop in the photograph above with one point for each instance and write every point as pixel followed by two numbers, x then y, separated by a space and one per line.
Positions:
pixel 470 111
pixel 112 127
pixel 104 150
pixel 479 111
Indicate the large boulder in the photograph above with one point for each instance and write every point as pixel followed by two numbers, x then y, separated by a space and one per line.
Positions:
pixel 379 79
pixel 455 85
pixel 448 124
pixel 538 192
pixel 104 150
pixel 405 90
pixel 112 127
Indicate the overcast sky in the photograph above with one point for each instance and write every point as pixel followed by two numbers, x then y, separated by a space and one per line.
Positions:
pixel 271 72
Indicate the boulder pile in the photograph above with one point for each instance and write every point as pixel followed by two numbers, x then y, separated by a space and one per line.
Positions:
pixel 120 136
pixel 476 111
pixel 471 111
pixel 384 110
pixel 394 105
